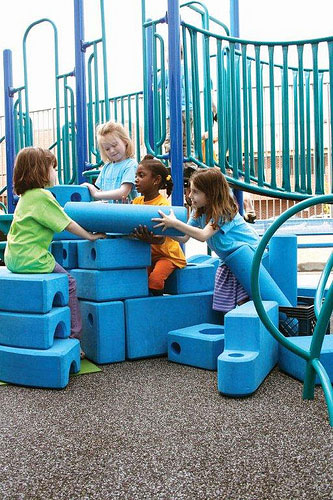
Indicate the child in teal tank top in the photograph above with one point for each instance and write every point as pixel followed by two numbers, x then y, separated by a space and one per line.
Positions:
pixel 37 217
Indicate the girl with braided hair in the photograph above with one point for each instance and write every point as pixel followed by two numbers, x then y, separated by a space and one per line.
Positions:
pixel 167 255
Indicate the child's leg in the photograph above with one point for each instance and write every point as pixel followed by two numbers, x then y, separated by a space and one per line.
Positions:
pixel 76 321
pixel 158 273
pixel 228 292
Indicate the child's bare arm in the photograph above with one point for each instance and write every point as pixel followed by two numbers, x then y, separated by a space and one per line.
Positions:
pixel 194 232
pixel 75 228
pixel 113 194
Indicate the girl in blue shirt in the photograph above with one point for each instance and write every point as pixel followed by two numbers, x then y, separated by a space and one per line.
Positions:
pixel 215 219
pixel 117 178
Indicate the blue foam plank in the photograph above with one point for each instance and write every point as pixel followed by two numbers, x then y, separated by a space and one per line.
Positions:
pixel 103 331
pixel 121 218
pixel 36 293
pixel 309 291
pixel 48 368
pixel 192 278
pixel 250 351
pixel 113 253
pixel 148 320
pixel 65 253
pixel 295 365
pixel 109 285
pixel 197 345
pixel 240 263
pixel 34 331
pixel 283 264
pixel 204 259
pixel 70 192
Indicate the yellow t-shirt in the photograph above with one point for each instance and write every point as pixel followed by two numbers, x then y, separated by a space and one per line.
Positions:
pixel 170 249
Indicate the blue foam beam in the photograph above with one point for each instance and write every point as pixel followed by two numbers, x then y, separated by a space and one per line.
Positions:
pixel 120 218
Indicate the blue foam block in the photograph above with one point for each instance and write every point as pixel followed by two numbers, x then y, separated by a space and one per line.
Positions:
pixel 34 331
pixel 103 331
pixel 65 253
pixel 110 285
pixel 192 278
pixel 36 293
pixel 283 264
pixel 240 263
pixel 204 259
pixel 49 368
pixel 197 345
pixel 121 218
pixel 148 320
pixel 113 253
pixel 250 351
pixel 295 365
pixel 70 192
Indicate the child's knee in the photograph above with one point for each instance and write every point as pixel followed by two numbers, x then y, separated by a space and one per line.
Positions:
pixel 155 281
pixel 72 284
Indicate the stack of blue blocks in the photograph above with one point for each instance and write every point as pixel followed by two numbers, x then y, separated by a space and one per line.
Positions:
pixel 109 271
pixel 35 325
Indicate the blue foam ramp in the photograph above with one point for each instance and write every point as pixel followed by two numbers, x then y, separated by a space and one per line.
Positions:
pixel 70 192
pixel 103 331
pixel 197 345
pixel 65 253
pixel 121 218
pixel 192 278
pixel 48 368
pixel 148 320
pixel 283 264
pixel 295 365
pixel 250 351
pixel 106 285
pixel 240 263
pixel 34 331
pixel 204 259
pixel 113 253
pixel 36 293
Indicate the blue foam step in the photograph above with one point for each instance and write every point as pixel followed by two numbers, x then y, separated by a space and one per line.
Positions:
pixel 36 293
pixel 197 345
pixel 103 331
pixel 192 278
pixel 113 253
pixel 148 320
pixel 65 253
pixel 295 365
pixel 70 192
pixel 49 368
pixel 34 331
pixel 250 351
pixel 109 285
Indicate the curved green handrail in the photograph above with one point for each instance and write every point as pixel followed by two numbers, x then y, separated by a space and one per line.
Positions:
pixel 311 356
pixel 56 66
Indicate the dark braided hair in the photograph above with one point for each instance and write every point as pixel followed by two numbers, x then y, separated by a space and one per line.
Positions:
pixel 157 168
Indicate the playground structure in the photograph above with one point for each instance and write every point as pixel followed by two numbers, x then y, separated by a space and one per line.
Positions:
pixel 298 97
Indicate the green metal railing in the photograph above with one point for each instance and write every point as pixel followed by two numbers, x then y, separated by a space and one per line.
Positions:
pixel 323 310
pixel 266 94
